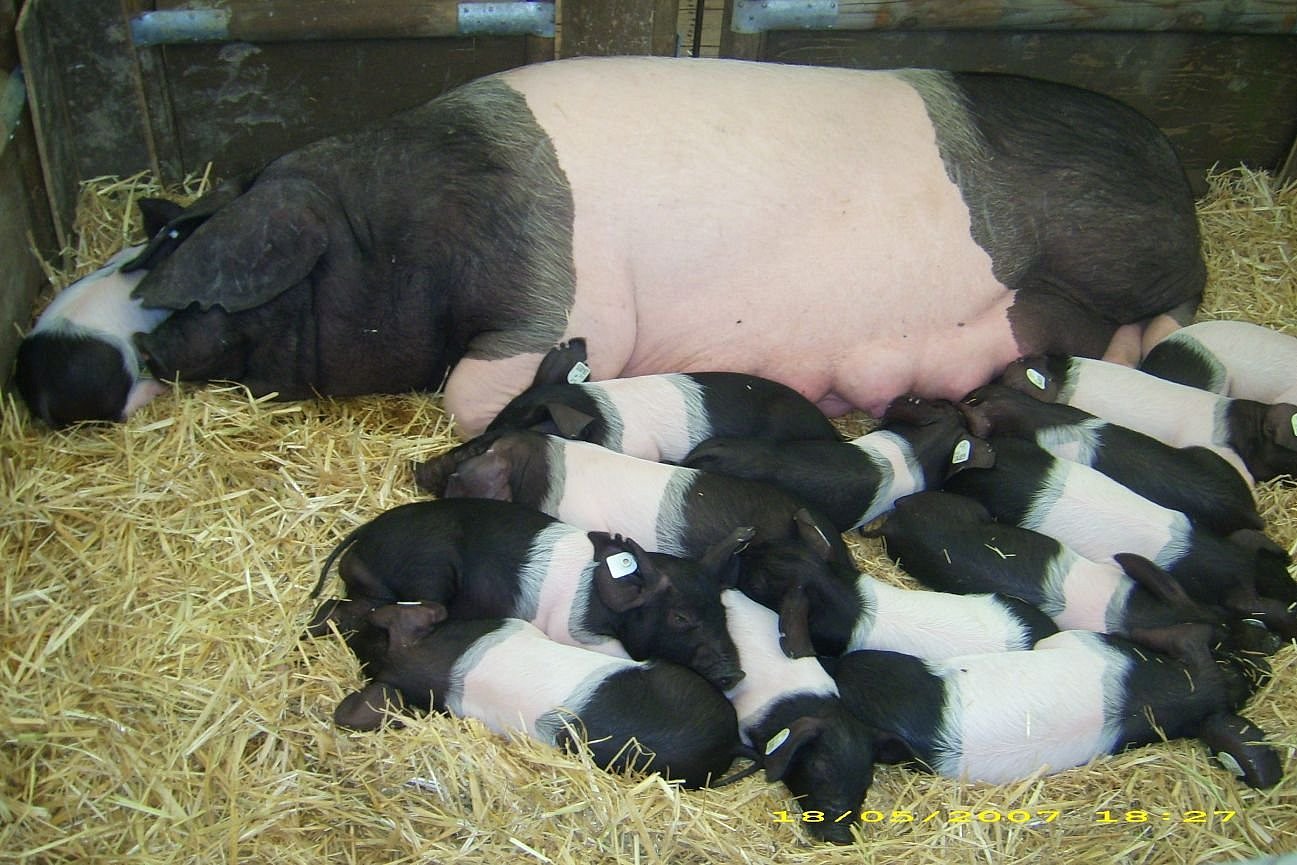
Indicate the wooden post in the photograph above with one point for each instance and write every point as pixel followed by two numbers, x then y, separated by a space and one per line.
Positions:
pixel 608 27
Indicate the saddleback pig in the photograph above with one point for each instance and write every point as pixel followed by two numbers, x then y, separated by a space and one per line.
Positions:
pixel 847 610
pixel 1078 695
pixel 1233 358
pixel 1258 439
pixel 1194 480
pixel 1099 518
pixel 644 716
pixel 670 509
pixel 659 417
pixel 475 558
pixel 991 216
pixel 852 483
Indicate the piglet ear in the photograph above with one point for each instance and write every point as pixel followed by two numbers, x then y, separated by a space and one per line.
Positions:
pixel 407 623
pixel 721 560
pixel 562 364
pixel 367 708
pixel 624 577
pixel 795 624
pixel 970 452
pixel 249 252
pixel 570 423
pixel 783 747
pixel 813 533
pixel 486 476
pixel 1281 425
pixel 1032 375
pixel 155 213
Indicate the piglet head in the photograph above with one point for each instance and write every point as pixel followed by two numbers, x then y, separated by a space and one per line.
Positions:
pixel 938 438
pixel 1272 453
pixel 664 607
pixel 827 761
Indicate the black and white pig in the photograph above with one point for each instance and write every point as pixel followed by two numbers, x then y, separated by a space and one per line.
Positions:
pixel 662 417
pixel 79 361
pixel 486 559
pixel 852 483
pixel 1237 359
pixel 847 610
pixel 1099 518
pixel 669 509
pixel 1078 695
pixel 1258 439
pixel 991 216
pixel 951 543
pixel 788 709
pixel 643 716
pixel 1194 480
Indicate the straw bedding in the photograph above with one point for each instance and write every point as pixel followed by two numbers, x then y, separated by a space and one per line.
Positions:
pixel 158 705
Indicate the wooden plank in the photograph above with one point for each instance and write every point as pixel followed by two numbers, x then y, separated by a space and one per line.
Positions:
pixel 1199 16
pixel 1220 99
pixel 610 27
pixel 740 46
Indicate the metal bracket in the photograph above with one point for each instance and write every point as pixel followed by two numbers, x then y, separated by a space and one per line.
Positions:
pixel 760 16
pixel 506 19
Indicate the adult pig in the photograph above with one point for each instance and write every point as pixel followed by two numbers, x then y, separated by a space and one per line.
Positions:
pixel 663 417
pixel 753 218
pixel 646 716
pixel 670 509
pixel 1078 695
pixel 1194 480
pixel 79 361
pixel 1233 358
pixel 852 483
pixel 485 559
pixel 1258 439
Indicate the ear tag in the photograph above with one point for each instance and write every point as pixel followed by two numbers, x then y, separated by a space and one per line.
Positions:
pixel 1037 378
pixel 963 450
pixel 1293 421
pixel 621 565
pixel 579 372
pixel 776 740
pixel 1228 761
pixel 173 233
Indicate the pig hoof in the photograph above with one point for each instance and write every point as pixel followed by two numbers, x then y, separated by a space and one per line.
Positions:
pixel 1240 746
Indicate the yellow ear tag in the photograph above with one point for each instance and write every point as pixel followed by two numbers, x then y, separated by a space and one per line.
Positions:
pixel 1037 378
pixel 776 740
pixel 579 372
pixel 963 450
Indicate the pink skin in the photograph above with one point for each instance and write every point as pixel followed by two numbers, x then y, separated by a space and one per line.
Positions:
pixel 682 270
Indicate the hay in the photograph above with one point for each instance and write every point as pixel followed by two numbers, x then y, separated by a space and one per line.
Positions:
pixel 158 705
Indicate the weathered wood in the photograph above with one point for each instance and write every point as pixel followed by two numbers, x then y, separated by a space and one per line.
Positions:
pixel 608 27
pixel 740 46
pixel 1198 16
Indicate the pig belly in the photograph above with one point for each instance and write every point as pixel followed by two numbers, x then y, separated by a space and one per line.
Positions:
pixel 791 222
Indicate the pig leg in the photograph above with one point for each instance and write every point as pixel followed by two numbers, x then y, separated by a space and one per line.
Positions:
pixel 478 389
pixel 1131 342
pixel 1236 740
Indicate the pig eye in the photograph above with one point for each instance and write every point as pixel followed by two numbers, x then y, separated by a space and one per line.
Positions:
pixel 680 620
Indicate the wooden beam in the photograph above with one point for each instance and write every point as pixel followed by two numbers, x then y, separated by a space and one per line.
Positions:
pixel 611 27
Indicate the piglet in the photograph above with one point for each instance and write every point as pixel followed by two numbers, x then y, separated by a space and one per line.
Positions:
pixel 79 362
pixel 1078 695
pixel 853 483
pixel 669 509
pixel 1258 439
pixel 484 559
pixel 1233 358
pixel 1193 480
pixel 788 709
pixel 1099 518
pixel 644 716
pixel 658 417
pixel 951 543
pixel 848 610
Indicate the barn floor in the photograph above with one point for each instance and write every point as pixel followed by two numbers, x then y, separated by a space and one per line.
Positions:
pixel 159 706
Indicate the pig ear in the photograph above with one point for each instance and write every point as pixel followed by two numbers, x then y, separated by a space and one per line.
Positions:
pixel 562 364
pixel 249 252
pixel 367 708
pixel 167 224
pixel 571 423
pixel 783 747
pixel 721 562
pixel 485 476
pixel 624 578
pixel 970 452
pixel 813 533
pixel 1032 375
pixel 408 623
pixel 1281 425
pixel 155 213
pixel 795 624
pixel 1155 580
